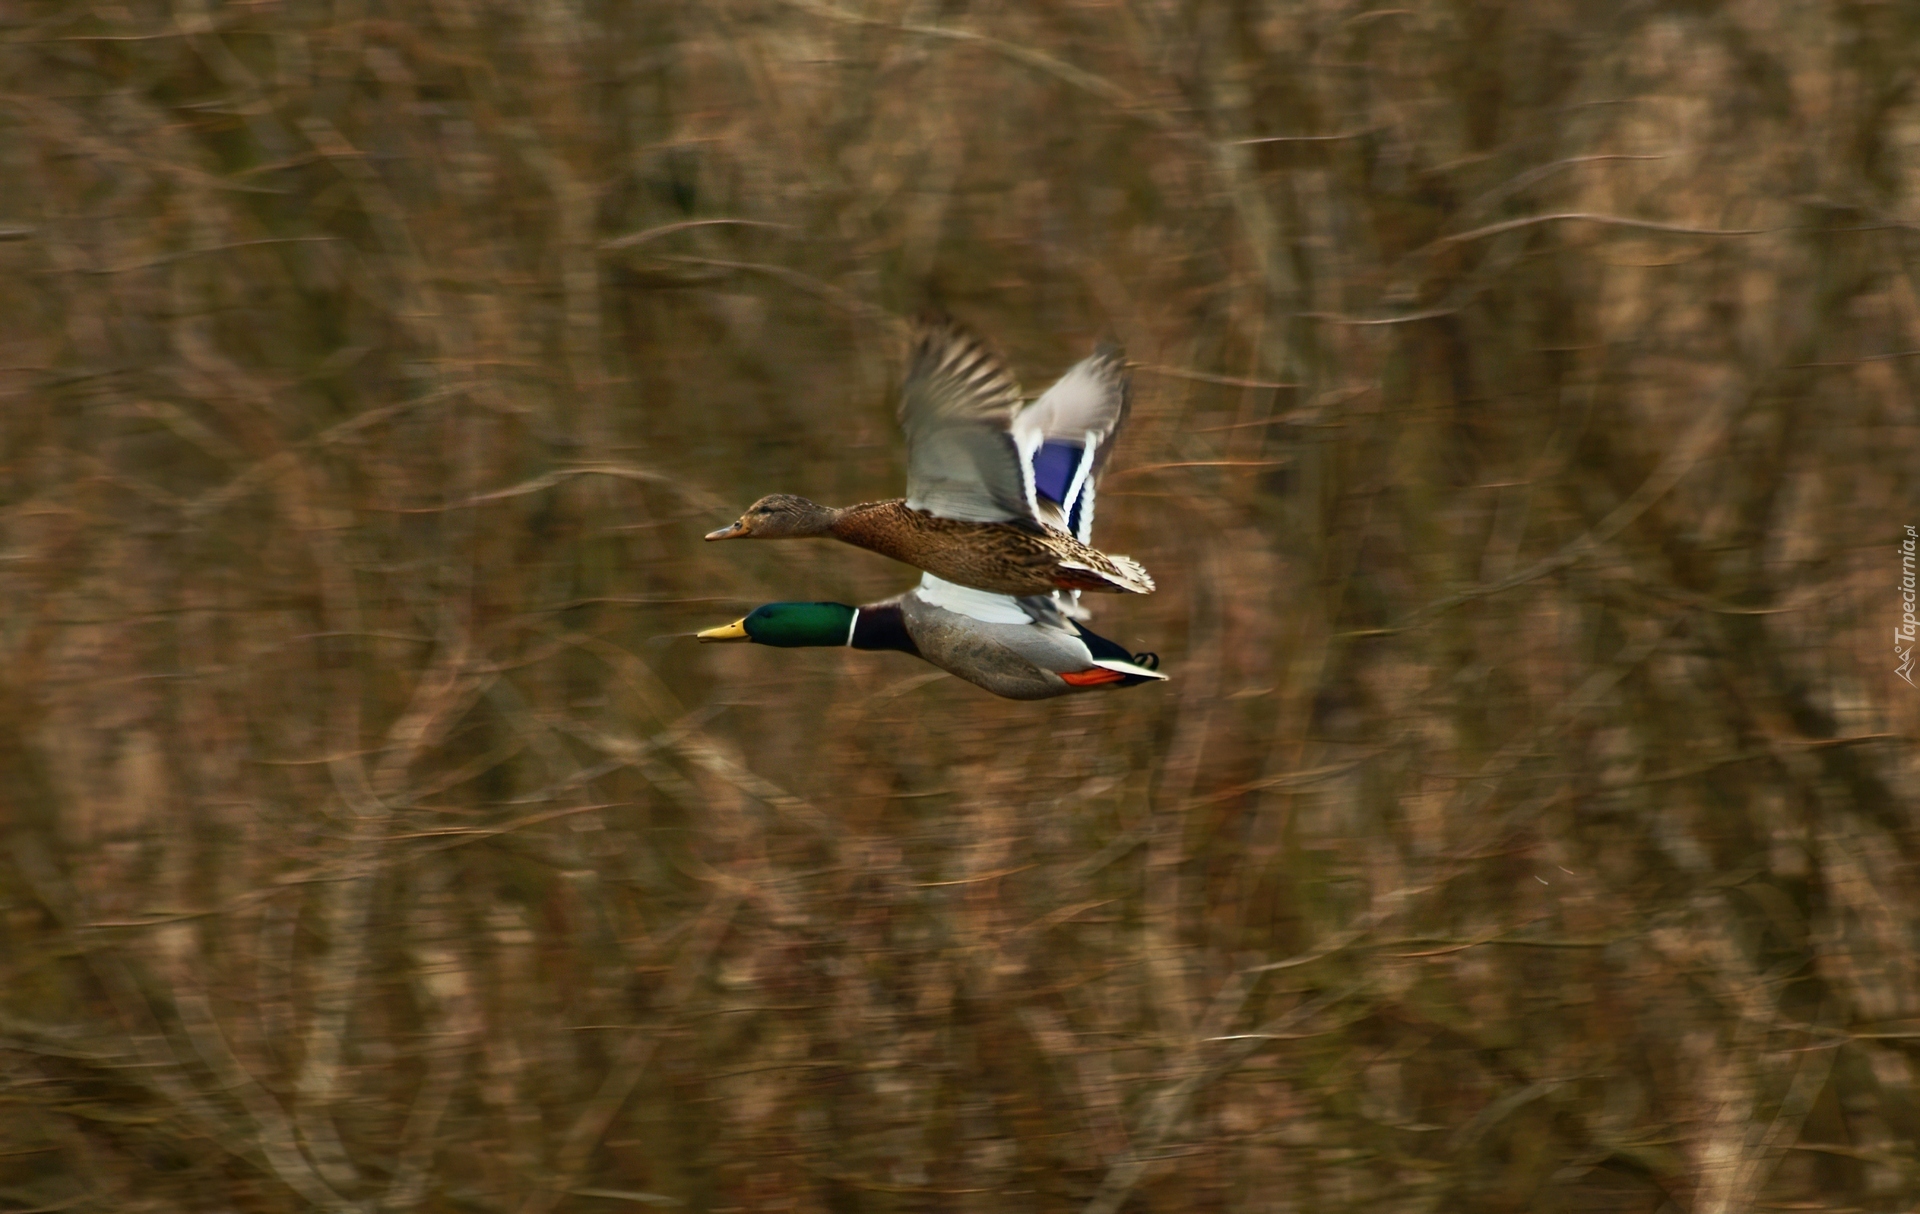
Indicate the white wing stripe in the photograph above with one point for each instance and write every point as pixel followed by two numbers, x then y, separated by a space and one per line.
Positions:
pixel 981 605
pixel 1127 668
pixel 1081 484
pixel 1028 444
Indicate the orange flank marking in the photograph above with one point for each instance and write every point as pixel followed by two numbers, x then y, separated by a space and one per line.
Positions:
pixel 1092 678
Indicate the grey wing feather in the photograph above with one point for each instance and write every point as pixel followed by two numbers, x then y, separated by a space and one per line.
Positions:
pixel 1049 647
pixel 956 408
pixel 1045 609
pixel 1093 395
pixel 994 649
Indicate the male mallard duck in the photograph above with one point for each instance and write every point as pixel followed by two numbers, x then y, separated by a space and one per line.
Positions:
pixel 1020 648
pixel 985 477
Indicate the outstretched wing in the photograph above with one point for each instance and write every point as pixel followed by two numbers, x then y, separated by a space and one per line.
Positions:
pixel 956 408
pixel 1070 430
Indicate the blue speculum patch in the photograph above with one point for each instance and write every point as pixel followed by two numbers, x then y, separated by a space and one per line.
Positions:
pixel 1053 467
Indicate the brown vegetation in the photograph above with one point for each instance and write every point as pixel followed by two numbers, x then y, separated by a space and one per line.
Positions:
pixel 1524 432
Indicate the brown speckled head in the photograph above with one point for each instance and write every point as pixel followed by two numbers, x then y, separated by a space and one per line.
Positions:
pixel 779 516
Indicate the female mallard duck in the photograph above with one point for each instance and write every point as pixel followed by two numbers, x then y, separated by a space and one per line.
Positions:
pixel 1020 648
pixel 985 477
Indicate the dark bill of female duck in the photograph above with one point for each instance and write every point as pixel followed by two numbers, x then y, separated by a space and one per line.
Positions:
pixel 999 494
pixel 1022 649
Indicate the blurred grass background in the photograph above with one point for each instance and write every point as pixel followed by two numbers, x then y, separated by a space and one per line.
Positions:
pixel 1524 433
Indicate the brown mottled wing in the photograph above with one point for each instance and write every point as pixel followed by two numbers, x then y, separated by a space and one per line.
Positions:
pixel 956 407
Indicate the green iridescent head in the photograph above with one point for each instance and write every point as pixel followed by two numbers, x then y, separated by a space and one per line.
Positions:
pixel 790 626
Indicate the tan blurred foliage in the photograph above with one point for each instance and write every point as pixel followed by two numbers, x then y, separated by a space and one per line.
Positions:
pixel 1525 429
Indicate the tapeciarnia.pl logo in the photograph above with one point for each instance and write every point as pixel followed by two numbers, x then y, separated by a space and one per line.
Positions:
pixel 1903 633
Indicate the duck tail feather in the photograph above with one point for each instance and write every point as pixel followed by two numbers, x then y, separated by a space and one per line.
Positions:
pixel 1133 574
pixel 1115 578
pixel 1121 575
pixel 1128 668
